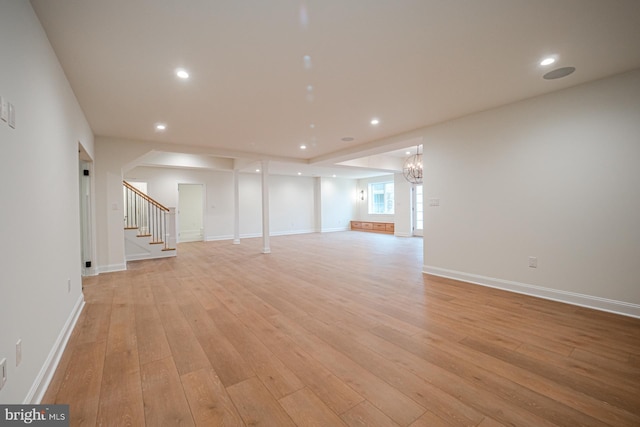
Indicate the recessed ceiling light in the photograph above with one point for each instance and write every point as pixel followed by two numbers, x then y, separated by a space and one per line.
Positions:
pixel 334 176
pixel 348 138
pixel 161 126
pixel 309 88
pixel 303 147
pixel 299 173
pixel 407 152
pixel 375 121
pixel 312 126
pixel 182 73
pixel 548 61
pixel 257 170
pixel 307 61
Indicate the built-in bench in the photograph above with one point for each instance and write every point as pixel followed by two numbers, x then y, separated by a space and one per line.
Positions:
pixel 375 227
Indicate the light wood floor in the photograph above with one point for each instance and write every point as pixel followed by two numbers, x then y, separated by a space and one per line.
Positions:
pixel 336 329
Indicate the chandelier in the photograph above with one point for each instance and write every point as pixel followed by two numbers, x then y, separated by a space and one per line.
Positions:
pixel 412 169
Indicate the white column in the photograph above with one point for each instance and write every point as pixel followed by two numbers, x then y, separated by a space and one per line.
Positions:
pixel 266 249
pixel 236 207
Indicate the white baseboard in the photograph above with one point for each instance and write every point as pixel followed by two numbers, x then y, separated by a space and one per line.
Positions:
pixel 40 385
pixel 257 235
pixel 400 234
pixel 332 230
pixel 582 300
pixel 162 254
pixel 111 268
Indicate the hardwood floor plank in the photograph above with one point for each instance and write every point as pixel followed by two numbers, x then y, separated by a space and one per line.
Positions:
pixel 164 400
pixel 122 331
pixel 257 406
pixel 278 379
pixel 95 323
pixel 605 392
pixel 80 388
pixel 208 399
pixel 186 350
pixel 396 405
pixel 454 355
pixel 335 393
pixel 121 402
pixel 336 328
pixel 420 389
pixel 429 419
pixel 150 336
pixel 306 409
pixel 366 415
pixel 225 359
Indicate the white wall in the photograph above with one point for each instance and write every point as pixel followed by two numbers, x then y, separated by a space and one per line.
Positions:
pixel 40 224
pixel 556 177
pixel 291 199
pixel 338 203
pixel 363 205
pixel 403 202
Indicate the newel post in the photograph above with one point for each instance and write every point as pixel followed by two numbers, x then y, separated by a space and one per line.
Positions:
pixel 171 237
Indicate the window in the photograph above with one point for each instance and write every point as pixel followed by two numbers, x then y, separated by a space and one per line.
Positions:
pixel 419 211
pixel 381 198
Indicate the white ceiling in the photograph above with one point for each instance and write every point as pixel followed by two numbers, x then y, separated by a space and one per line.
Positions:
pixel 410 63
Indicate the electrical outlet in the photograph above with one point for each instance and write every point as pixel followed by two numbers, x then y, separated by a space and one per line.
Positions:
pixel 19 352
pixel 533 262
pixel 3 372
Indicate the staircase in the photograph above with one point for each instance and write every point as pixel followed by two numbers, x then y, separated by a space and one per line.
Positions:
pixel 149 227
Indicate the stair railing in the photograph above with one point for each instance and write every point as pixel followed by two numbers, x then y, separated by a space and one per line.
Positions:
pixel 145 214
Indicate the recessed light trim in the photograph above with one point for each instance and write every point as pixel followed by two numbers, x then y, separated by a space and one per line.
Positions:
pixel 299 173
pixel 303 147
pixel 257 170
pixel 375 121
pixel 160 127
pixel 182 73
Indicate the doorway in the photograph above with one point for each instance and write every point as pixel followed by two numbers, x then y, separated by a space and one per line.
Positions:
pixel 86 228
pixel 190 213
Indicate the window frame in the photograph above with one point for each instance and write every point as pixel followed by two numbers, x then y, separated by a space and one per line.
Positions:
pixel 388 203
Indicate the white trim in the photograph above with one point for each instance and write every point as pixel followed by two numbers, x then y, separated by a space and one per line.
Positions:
pixel 42 381
pixel 400 234
pixel 111 268
pixel 162 254
pixel 256 235
pixel 582 300
pixel 331 230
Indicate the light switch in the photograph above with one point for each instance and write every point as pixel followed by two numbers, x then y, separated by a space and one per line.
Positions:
pixel 4 113
pixel 12 116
